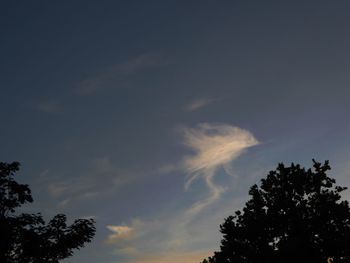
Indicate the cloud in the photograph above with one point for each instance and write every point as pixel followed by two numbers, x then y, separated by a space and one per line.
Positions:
pixel 144 61
pixel 117 74
pixel 214 146
pixel 100 178
pixel 49 106
pixel 91 85
pixel 127 251
pixel 119 233
pixel 123 234
pixel 57 189
pixel 199 103
pixel 167 168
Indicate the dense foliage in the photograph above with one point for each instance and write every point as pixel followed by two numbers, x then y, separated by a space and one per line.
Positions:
pixel 25 238
pixel 296 215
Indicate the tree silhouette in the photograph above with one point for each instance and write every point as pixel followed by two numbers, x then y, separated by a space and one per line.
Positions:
pixel 296 215
pixel 25 238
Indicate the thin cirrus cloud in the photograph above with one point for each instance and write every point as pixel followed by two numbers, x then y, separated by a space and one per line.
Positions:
pixel 214 146
pixel 199 103
pixel 116 75
pixel 89 185
pixel 49 106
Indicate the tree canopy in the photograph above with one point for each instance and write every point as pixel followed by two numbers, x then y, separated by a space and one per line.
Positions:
pixel 295 215
pixel 25 238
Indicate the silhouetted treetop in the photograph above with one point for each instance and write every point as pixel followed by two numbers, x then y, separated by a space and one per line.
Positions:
pixel 25 238
pixel 295 215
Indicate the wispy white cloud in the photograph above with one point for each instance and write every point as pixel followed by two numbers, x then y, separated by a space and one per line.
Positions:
pixel 115 75
pixel 123 237
pixel 120 233
pixel 214 146
pixel 199 103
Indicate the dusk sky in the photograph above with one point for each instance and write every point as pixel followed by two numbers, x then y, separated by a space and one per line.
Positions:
pixel 155 117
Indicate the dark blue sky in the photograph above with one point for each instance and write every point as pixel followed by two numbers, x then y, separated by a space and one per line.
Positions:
pixel 125 110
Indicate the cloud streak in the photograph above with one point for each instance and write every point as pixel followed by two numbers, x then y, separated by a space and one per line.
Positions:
pixel 101 177
pixel 49 106
pixel 117 74
pixel 214 146
pixel 199 103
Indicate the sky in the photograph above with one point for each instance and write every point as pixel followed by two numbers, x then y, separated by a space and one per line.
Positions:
pixel 155 117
